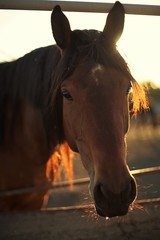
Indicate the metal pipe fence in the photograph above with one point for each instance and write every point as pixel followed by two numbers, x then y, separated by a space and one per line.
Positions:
pixel 64 184
pixel 91 206
pixel 78 6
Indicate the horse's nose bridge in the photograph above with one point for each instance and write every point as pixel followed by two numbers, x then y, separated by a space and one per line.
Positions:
pixel 115 177
pixel 115 185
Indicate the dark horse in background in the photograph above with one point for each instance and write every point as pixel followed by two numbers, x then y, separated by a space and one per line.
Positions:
pixel 75 93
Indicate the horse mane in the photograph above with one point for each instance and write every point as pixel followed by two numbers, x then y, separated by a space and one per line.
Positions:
pixel 138 98
pixel 29 79
pixel 26 79
pixel 59 165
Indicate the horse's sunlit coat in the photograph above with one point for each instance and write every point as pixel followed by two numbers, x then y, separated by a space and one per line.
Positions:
pixel 74 95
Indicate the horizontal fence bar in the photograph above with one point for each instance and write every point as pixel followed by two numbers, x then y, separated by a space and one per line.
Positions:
pixel 63 184
pixel 145 170
pixel 100 7
pixel 91 206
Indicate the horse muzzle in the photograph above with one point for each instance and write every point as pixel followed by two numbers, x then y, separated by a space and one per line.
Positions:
pixel 110 204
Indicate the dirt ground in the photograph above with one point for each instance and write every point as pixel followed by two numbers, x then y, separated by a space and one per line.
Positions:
pixel 84 224
pixel 79 225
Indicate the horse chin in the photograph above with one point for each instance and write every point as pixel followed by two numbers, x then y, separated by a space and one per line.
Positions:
pixel 111 212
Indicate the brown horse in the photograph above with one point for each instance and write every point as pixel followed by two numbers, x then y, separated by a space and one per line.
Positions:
pixel 75 93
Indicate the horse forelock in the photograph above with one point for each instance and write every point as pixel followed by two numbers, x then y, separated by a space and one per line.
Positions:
pixel 87 45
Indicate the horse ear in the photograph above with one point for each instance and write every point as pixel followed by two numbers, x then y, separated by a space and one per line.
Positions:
pixel 114 23
pixel 60 28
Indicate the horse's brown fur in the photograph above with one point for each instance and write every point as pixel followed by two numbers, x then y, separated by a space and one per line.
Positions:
pixel 33 120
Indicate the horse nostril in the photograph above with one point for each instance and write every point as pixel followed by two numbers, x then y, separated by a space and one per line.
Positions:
pixel 103 195
pixel 100 194
pixel 110 203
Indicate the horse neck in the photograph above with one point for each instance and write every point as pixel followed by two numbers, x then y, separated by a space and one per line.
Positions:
pixel 29 79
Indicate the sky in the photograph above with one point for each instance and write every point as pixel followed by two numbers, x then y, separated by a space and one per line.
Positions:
pixel 23 31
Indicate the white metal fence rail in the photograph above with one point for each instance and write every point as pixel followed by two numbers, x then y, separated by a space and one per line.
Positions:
pixel 81 181
pixel 100 7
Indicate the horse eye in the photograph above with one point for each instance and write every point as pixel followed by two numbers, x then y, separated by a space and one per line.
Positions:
pixel 67 95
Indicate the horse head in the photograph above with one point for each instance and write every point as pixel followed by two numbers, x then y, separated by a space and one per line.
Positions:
pixel 94 86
